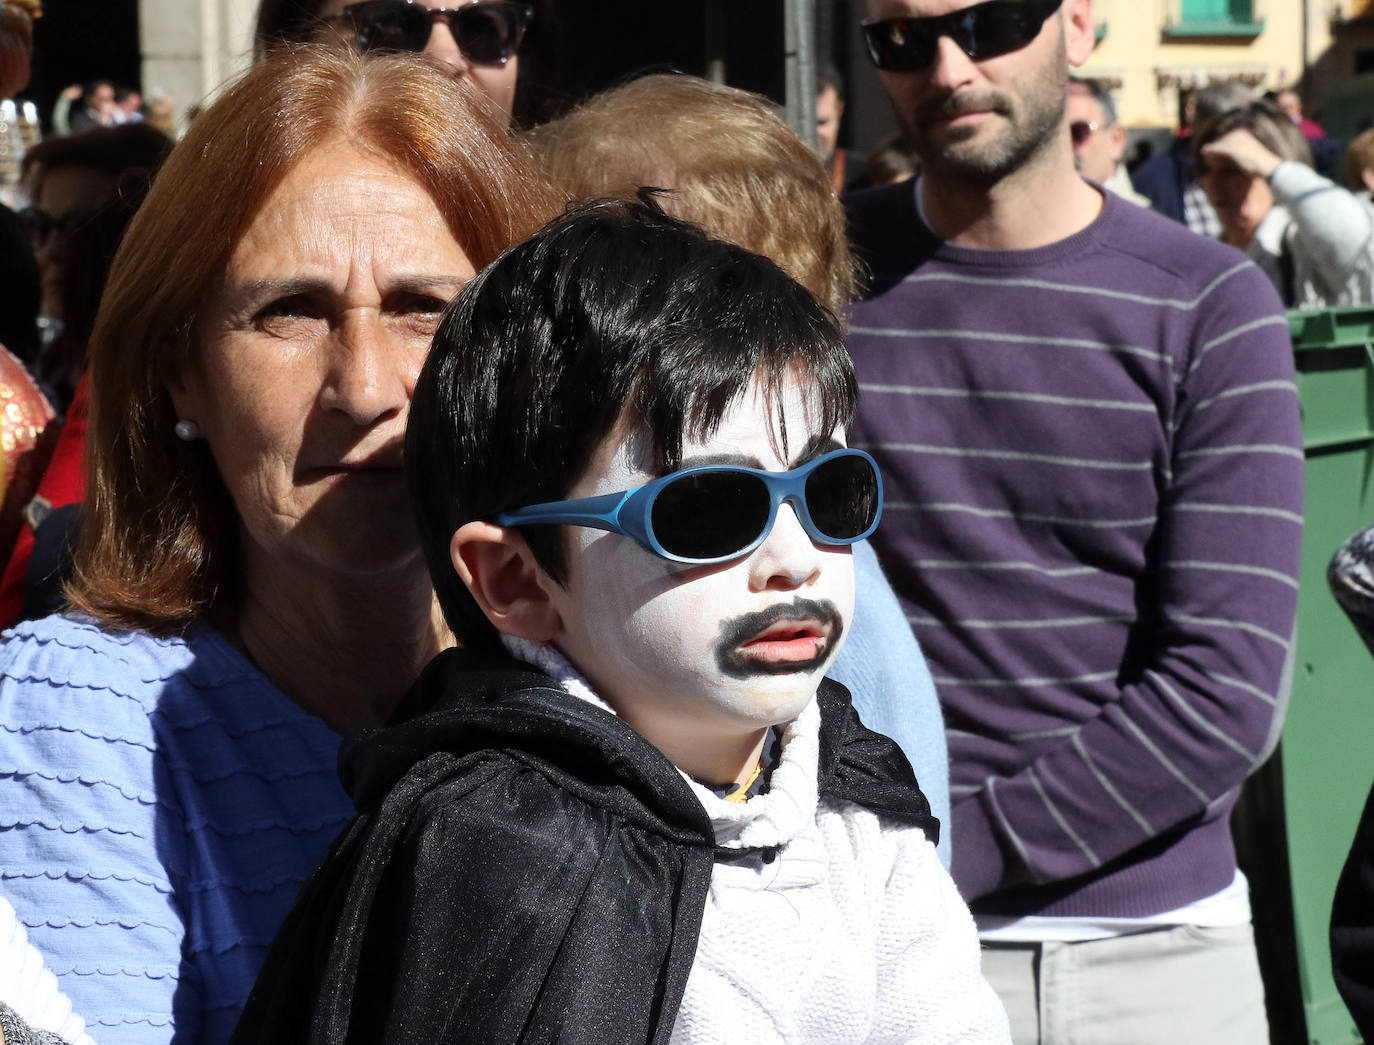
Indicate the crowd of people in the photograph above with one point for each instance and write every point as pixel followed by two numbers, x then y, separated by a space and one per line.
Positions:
pixel 598 583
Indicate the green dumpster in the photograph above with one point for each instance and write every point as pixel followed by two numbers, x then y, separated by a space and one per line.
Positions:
pixel 1327 753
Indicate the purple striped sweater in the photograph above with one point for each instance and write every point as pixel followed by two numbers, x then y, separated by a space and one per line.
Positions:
pixel 1094 475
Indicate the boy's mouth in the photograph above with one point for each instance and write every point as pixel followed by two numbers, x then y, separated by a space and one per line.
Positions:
pixel 787 642
pixel 785 638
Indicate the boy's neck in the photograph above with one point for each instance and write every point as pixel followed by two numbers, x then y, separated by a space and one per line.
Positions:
pixel 730 764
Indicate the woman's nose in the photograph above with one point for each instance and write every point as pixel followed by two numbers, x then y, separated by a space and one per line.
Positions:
pixel 368 377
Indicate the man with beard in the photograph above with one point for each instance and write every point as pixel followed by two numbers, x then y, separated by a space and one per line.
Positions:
pixel 1088 424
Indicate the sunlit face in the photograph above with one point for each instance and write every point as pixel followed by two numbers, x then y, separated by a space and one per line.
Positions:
pixel 1291 104
pixel 707 651
pixel 307 355
pixel 1098 152
pixel 1241 200
pixel 497 81
pixel 829 109
pixel 978 120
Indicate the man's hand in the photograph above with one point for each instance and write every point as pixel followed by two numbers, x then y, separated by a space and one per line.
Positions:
pixel 1241 149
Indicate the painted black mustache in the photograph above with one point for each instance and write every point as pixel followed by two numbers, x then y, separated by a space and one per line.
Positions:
pixel 734 633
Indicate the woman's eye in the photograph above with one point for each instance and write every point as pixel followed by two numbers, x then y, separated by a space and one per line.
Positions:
pixel 293 306
pixel 414 315
pixel 415 304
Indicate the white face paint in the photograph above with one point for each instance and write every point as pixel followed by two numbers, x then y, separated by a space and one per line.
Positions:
pixel 676 649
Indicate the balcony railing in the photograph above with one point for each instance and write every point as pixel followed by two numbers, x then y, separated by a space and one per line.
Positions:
pixel 1213 18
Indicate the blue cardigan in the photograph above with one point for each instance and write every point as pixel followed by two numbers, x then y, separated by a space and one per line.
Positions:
pixel 162 804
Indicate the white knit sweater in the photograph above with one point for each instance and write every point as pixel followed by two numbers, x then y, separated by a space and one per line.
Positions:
pixel 29 987
pixel 833 927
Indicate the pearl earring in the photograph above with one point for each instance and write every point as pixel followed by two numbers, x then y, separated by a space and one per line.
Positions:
pixel 187 430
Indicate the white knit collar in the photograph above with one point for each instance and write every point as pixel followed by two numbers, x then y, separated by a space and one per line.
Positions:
pixel 767 820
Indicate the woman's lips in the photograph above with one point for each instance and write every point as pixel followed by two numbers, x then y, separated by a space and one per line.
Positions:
pixel 356 475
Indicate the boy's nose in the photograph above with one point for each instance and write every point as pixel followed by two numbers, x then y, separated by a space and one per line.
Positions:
pixel 787 558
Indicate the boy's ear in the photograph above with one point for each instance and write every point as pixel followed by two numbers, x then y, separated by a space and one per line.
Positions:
pixel 504 578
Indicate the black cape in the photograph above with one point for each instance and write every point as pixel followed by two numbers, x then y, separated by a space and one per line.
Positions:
pixel 524 867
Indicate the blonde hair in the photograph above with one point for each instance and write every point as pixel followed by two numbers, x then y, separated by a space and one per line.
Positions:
pixel 733 167
pixel 158 539
pixel 1359 156
pixel 1270 125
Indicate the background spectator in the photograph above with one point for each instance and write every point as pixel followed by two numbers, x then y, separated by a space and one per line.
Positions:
pixel 477 42
pixel 128 105
pixel 893 161
pixel 1359 163
pixel 829 114
pixel 1290 102
pixel 97 107
pixel 34 589
pixel 1312 238
pixel 1099 140
pixel 1167 180
pixel 162 115
pixel 69 179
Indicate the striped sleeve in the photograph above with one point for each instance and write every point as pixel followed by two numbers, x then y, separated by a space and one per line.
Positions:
pixel 91 851
pixel 1199 702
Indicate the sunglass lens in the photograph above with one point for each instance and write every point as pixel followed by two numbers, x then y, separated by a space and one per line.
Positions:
pixel 842 497
pixel 710 515
pixel 37 224
pixel 987 30
pixel 900 44
pixel 487 33
pixel 390 26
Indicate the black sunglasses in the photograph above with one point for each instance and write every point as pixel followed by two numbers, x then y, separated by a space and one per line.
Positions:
pixel 488 32
pixel 1081 130
pixel 908 45
pixel 41 226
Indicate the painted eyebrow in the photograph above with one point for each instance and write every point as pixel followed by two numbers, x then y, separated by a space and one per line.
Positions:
pixel 815 447
pixel 742 460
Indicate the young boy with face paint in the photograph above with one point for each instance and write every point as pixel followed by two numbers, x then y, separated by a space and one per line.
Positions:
pixel 631 808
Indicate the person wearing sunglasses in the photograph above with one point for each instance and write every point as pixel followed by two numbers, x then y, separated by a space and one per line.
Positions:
pixel 475 40
pixel 1087 421
pixel 1099 139
pixel 631 807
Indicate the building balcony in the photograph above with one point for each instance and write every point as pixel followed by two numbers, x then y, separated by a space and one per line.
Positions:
pixel 1212 19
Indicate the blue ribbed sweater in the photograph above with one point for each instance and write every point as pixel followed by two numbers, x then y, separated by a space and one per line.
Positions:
pixel 161 803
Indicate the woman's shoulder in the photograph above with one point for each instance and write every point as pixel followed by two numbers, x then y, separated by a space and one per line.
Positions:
pixel 69 652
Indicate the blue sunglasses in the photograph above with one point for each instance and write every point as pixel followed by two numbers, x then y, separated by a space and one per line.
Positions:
pixel 714 513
